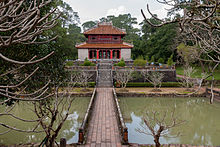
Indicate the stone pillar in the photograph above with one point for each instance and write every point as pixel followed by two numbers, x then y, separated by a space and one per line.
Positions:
pixel 110 54
pixel 62 142
pixel 97 54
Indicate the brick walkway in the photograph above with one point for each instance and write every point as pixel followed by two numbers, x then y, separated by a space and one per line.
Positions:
pixel 103 128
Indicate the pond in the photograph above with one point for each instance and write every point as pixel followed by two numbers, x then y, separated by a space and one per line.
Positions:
pixel 201 126
pixel 23 109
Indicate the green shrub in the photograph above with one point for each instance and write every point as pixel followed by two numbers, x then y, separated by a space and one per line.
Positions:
pixel 147 58
pixel 139 62
pixel 170 61
pixel 69 63
pixel 161 60
pixel 121 63
pixel 147 84
pixel 152 59
pixel 87 63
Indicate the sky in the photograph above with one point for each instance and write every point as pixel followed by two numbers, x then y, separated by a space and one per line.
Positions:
pixel 91 10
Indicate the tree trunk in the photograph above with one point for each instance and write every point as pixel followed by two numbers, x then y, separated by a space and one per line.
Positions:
pixel 156 140
pixel 202 65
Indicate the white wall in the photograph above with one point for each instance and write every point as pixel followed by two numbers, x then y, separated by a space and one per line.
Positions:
pixel 82 54
pixel 126 54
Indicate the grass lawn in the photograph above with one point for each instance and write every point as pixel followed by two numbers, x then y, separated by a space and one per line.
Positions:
pixel 197 74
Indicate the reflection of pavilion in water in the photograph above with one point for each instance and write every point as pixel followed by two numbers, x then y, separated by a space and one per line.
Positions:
pixel 104 42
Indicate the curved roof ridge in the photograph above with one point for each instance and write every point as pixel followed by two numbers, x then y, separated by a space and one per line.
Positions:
pixel 105 28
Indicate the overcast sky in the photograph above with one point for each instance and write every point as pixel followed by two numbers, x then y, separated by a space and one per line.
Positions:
pixel 95 9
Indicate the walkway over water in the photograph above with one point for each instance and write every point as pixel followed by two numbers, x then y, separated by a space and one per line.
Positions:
pixel 103 128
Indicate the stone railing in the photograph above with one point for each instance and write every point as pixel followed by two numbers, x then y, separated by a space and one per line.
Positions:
pixel 216 93
pixel 145 67
pixel 121 124
pixel 84 125
pixel 78 68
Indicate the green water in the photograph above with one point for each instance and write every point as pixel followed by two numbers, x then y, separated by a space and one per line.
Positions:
pixel 202 126
pixel 23 110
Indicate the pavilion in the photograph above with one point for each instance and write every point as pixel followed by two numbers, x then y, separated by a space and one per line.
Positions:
pixel 104 42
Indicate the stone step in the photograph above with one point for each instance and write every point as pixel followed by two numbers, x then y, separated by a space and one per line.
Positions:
pixel 104 74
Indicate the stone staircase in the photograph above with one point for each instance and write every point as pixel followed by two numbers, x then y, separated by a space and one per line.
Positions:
pixel 104 74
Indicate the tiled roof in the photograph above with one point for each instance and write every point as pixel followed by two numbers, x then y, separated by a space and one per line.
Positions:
pixel 104 45
pixel 105 29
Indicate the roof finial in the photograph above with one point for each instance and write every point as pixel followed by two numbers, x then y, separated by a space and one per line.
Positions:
pixel 105 23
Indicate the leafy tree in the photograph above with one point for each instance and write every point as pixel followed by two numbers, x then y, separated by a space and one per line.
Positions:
pixel 88 25
pixel 158 41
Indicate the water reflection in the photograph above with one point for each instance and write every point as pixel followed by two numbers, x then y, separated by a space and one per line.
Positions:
pixel 23 109
pixel 202 126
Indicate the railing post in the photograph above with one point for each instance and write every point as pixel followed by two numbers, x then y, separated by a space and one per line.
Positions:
pixel 81 136
pixel 62 142
pixel 125 135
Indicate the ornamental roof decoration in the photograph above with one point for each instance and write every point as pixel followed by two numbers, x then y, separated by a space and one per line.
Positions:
pixel 105 28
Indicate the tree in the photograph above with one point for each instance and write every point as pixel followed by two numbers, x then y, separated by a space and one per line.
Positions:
pixel 199 26
pixel 187 80
pixel 123 76
pixel 187 53
pixel 52 113
pixel 126 22
pixel 22 22
pixel 158 41
pixel 85 76
pixel 154 78
pixel 159 125
pixel 27 27
pixel 88 25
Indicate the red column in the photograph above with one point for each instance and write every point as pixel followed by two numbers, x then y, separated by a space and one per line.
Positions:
pixel 110 54
pixel 97 54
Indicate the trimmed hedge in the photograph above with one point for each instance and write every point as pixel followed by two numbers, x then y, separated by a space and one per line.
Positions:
pixel 147 84
pixel 90 84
